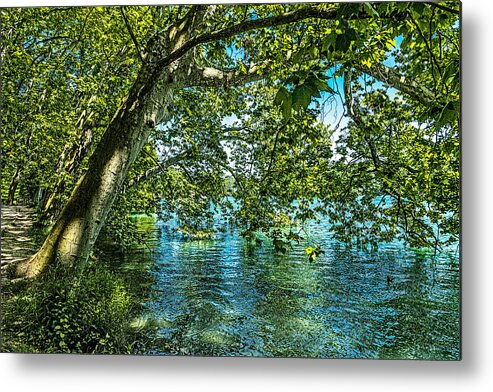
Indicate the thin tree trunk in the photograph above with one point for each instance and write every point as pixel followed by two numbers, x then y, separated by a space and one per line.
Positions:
pixel 13 186
pixel 17 174
pixel 67 166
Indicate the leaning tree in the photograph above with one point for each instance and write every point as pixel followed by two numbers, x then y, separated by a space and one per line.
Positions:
pixel 394 67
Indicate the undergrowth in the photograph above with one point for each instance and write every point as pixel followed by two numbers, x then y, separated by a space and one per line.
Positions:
pixel 63 313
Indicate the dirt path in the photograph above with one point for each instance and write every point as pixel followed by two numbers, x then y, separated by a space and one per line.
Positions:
pixel 16 244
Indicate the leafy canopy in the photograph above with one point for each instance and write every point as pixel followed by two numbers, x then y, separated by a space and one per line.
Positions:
pixel 355 117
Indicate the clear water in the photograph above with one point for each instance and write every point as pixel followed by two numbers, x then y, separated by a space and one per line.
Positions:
pixel 221 297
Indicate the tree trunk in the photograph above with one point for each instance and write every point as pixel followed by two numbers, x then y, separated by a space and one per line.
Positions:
pixel 67 166
pixel 76 230
pixel 79 223
pixel 13 186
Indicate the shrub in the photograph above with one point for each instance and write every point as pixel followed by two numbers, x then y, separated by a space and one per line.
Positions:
pixel 60 313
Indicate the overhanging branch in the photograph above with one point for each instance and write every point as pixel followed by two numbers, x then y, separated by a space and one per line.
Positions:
pixel 214 77
pixel 158 169
pixel 355 113
pixel 400 82
pixel 308 12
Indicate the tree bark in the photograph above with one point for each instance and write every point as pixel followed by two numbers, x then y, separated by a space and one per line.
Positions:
pixel 79 223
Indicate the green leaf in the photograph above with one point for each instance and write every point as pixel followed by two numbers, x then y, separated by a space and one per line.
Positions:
pixel 309 250
pixel 318 84
pixel 443 17
pixel 418 7
pixel 351 34
pixel 328 43
pixel 313 253
pixel 302 96
pixel 314 51
pixel 281 96
pixel 343 41
pixel 279 245
pixel 298 56
pixel 371 11
pixel 286 108
pixel 316 93
pixel 348 9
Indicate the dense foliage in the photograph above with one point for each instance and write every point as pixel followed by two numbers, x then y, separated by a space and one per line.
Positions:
pixel 355 116
pixel 272 116
pixel 90 313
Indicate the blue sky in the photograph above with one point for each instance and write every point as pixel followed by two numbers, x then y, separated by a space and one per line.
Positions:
pixel 333 110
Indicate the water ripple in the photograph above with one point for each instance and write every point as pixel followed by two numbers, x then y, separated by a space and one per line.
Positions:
pixel 219 298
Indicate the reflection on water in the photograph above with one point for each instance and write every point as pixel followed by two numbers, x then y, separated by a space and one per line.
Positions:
pixel 221 297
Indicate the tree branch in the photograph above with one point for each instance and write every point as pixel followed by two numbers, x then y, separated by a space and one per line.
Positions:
pixel 433 60
pixel 214 77
pixel 129 29
pixel 160 168
pixel 355 114
pixel 251 24
pixel 45 40
pixel 271 161
pixel 402 83
pixel 442 7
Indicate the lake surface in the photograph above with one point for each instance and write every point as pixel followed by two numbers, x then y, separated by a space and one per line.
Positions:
pixel 221 297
